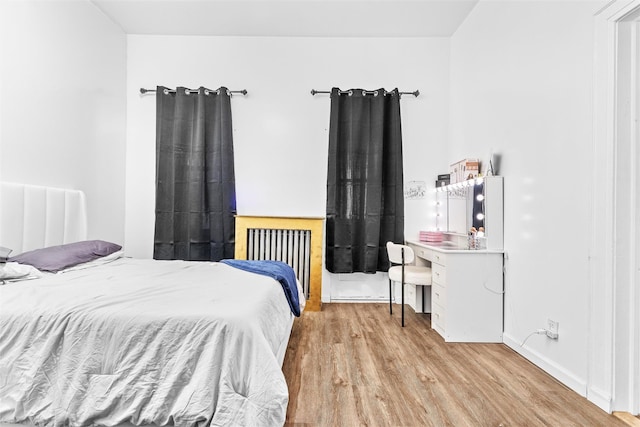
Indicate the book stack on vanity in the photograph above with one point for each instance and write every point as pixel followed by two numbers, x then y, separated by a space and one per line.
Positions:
pixel 431 236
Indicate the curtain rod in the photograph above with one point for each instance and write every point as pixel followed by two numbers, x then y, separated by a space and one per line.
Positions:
pixel 188 91
pixel 371 92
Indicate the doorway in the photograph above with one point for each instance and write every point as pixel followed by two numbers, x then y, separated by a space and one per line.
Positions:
pixel 614 331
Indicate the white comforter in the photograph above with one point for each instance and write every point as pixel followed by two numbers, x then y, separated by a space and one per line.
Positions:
pixel 142 342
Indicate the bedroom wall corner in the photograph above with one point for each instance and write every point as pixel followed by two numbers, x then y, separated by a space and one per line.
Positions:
pixel 62 117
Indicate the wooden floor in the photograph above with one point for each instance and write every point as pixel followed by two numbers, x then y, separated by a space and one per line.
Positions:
pixel 353 365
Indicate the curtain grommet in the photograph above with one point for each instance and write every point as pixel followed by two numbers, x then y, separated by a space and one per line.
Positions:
pixel 166 91
pixel 206 92
pixel 350 92
pixel 375 93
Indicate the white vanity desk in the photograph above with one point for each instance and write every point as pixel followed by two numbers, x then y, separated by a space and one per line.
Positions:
pixel 467 291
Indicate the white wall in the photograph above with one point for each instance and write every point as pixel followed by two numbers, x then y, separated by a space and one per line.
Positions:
pixel 521 85
pixel 63 105
pixel 280 130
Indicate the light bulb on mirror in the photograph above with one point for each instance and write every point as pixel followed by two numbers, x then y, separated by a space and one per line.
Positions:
pixel 480 216
pixel 480 197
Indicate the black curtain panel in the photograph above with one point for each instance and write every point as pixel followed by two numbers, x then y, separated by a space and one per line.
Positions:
pixel 195 180
pixel 365 199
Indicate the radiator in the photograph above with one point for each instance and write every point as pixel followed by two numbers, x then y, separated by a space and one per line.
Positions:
pixel 294 240
pixel 290 246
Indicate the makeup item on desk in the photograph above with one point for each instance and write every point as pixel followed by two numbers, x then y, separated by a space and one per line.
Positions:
pixel 480 239
pixel 472 241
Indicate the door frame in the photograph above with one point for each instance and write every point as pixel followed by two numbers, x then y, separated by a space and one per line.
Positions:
pixel 613 377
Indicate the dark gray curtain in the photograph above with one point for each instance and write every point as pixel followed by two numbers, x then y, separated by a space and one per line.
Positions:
pixel 195 180
pixel 365 199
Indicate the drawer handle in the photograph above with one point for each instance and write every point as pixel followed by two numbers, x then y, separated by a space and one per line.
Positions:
pixel 437 295
pixel 438 257
pixel 437 274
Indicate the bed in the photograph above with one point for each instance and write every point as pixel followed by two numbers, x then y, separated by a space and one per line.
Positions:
pixel 118 341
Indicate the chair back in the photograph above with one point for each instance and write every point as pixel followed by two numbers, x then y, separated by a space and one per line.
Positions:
pixel 394 252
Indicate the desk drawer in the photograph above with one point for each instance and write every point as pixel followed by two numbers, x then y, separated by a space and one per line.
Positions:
pixel 438 274
pixel 438 317
pixel 439 258
pixel 423 253
pixel 439 295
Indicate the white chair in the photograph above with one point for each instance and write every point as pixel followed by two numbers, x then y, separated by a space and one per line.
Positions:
pixel 400 270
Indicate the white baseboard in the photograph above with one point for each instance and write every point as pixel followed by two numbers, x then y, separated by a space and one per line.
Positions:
pixel 558 372
pixel 600 398
pixel 359 299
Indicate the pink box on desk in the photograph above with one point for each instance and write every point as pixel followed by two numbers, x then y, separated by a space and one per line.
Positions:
pixel 464 169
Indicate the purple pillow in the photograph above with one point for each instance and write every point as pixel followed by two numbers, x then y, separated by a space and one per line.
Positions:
pixel 56 258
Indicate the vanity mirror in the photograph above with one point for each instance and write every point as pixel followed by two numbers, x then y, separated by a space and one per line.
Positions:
pixel 473 203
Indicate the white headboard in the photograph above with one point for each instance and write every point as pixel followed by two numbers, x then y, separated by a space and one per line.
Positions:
pixel 33 217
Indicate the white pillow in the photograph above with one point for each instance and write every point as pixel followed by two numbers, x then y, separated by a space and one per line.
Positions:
pixel 13 271
pixel 96 262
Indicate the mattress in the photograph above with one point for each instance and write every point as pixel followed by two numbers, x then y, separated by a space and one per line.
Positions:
pixel 144 342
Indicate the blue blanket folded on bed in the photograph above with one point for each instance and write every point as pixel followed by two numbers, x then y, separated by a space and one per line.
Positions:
pixel 278 270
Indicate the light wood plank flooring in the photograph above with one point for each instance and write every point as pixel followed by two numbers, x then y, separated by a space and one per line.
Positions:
pixel 354 365
pixel 629 419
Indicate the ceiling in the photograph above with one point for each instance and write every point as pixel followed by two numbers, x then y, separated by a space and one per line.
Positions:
pixel 292 18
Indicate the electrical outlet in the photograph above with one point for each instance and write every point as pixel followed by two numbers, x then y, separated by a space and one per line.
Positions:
pixel 552 329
